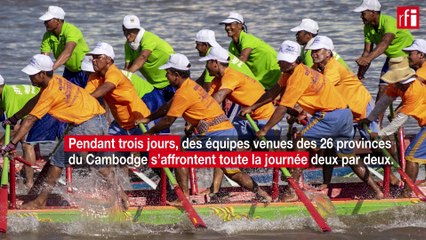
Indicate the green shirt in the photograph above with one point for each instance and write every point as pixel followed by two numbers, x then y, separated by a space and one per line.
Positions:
pixel 14 97
pixel 387 24
pixel 262 60
pixel 308 61
pixel 69 33
pixel 141 85
pixel 160 53
pixel 234 63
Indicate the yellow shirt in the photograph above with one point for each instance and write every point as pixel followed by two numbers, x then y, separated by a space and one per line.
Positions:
pixel 421 73
pixel 193 103
pixel 67 102
pixel 245 92
pixel 310 90
pixel 413 100
pixel 349 86
pixel 124 102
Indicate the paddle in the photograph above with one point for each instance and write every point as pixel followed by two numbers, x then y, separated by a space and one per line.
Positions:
pixel 401 172
pixel 305 200
pixel 190 211
pixel 4 183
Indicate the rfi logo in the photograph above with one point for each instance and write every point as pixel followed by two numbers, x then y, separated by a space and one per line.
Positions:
pixel 408 17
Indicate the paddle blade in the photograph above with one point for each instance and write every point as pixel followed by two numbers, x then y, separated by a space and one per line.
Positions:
pixel 192 214
pixel 3 209
pixel 309 206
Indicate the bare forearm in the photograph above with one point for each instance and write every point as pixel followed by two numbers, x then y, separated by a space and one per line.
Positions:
pixel 24 128
pixel 278 115
pixel 164 123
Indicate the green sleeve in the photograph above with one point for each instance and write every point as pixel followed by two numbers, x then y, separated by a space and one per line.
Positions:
pixel 307 59
pixel 45 47
pixel 389 25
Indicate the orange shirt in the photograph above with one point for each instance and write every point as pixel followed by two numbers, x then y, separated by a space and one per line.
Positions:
pixel 310 90
pixel 349 86
pixel 66 102
pixel 421 73
pixel 245 92
pixel 124 102
pixel 413 100
pixel 193 103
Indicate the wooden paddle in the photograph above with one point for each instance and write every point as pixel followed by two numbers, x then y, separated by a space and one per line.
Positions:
pixel 401 172
pixel 4 186
pixel 190 211
pixel 305 200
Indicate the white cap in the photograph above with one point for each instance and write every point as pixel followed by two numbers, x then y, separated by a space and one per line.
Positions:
pixel 321 42
pixel 177 61
pixel 289 51
pixel 38 63
pixel 87 64
pixel 103 48
pixel 1 80
pixel 418 45
pixel 233 17
pixel 308 25
pixel 217 53
pixel 372 5
pixel 207 36
pixel 131 22
pixel 53 12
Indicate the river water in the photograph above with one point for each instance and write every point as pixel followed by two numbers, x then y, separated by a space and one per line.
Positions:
pixel 177 22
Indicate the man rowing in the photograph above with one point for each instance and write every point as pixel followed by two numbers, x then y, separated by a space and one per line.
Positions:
pixel 257 54
pixel 66 102
pixel 417 58
pixel 67 44
pixel 331 118
pixel 201 110
pixel 381 36
pixel 146 52
pixel 403 83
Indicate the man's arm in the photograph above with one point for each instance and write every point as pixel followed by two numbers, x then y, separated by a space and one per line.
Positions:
pixel 279 113
pixel 244 56
pixel 267 97
pixel 24 128
pixel 103 89
pixel 220 95
pixel 164 123
pixel 368 47
pixel 378 50
pixel 65 55
pixel 26 109
pixel 161 112
pixel 139 61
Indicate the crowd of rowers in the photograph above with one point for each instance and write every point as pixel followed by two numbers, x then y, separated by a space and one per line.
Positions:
pixel 306 77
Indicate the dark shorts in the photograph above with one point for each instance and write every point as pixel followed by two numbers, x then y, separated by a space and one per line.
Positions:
pixel 47 129
pixel 78 78
pixel 154 100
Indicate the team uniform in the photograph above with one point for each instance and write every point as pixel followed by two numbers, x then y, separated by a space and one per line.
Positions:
pixel 123 101
pixel 245 92
pixel 414 105
pixel 69 33
pixel 47 129
pixel 403 39
pixel 351 88
pixel 262 60
pixel 331 118
pixel 160 53
pixel 73 105
pixel 421 73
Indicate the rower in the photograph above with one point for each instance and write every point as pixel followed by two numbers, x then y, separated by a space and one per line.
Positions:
pixel 403 83
pixel 331 118
pixel 199 109
pixel 146 52
pixel 257 54
pixel 63 100
pixel 46 130
pixel 349 86
pixel 242 90
pixel 67 44
pixel 380 30
pixel 417 58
